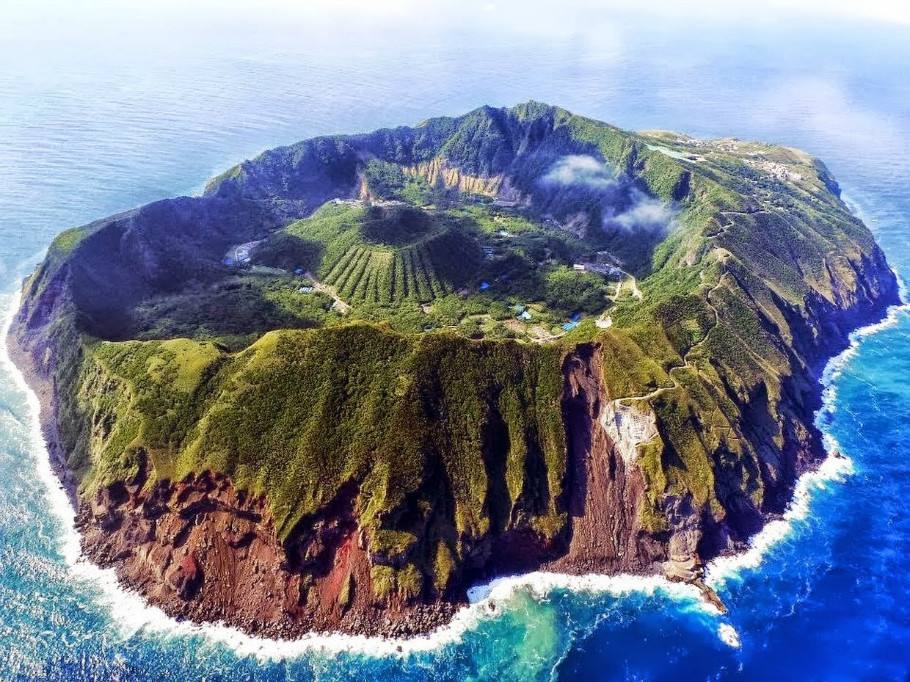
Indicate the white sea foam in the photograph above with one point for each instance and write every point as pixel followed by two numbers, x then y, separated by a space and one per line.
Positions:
pixel 728 635
pixel 131 614
pixel 834 468
pixel 723 568
pixel 56 494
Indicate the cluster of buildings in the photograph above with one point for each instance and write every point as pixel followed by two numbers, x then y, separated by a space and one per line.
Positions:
pixel 522 313
pixel 603 269
pixel 240 254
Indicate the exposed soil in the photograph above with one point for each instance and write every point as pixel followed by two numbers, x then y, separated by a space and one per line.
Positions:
pixel 604 494
pixel 201 550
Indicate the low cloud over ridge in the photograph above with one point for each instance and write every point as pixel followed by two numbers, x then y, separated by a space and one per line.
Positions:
pixel 623 206
pixel 579 169
pixel 646 213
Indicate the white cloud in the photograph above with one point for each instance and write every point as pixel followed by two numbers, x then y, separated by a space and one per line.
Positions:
pixel 647 213
pixel 579 169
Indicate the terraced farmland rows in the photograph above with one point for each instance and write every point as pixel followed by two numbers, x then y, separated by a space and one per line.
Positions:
pixel 422 271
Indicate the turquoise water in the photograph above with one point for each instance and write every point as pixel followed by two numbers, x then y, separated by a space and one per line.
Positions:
pixel 102 110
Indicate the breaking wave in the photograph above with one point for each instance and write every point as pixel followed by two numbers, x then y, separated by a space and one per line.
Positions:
pixel 130 614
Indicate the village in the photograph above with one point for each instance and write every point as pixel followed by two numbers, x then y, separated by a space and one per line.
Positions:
pixel 497 302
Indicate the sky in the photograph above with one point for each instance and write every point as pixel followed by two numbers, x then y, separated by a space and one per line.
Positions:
pixel 72 28
pixel 892 11
pixel 533 13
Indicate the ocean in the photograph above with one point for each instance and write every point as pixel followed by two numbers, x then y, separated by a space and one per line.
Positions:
pixel 107 105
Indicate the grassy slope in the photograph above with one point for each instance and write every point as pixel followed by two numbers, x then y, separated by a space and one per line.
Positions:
pixel 300 413
pixel 445 436
pixel 385 255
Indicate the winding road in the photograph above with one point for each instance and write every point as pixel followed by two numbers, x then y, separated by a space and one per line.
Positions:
pixel 686 361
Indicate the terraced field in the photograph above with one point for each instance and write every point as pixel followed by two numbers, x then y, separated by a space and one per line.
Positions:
pixel 434 266
pixel 382 255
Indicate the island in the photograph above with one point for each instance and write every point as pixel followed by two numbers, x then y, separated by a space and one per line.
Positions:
pixel 361 373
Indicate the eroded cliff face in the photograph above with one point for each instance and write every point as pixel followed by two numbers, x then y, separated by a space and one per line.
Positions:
pixel 203 550
pixel 776 413
pixel 648 447
pixel 605 487
pixel 437 172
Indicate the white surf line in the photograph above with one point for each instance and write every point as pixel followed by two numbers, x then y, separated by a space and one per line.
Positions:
pixel 834 468
pixel 728 635
pixel 131 614
pixel 60 506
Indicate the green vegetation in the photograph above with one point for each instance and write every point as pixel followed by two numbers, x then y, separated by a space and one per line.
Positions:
pixel 411 346
pixel 388 181
pixel 428 260
pixel 570 291
pixel 465 267
pixel 394 414
pixel 66 241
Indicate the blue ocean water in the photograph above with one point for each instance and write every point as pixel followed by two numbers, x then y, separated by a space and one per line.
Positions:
pixel 111 104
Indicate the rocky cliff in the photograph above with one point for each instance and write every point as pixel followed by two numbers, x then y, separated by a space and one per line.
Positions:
pixel 237 457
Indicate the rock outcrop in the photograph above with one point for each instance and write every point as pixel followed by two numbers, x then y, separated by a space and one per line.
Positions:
pixel 292 477
pixel 203 550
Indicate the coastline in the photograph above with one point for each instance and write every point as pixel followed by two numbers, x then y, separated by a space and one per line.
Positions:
pixel 835 467
pixel 236 497
pixel 131 612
